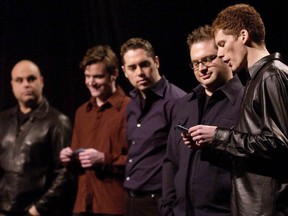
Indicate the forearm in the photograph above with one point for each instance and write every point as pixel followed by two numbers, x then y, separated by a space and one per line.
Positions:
pixel 264 145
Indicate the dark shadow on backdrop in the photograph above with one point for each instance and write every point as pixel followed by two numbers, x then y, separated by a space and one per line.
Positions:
pixel 56 34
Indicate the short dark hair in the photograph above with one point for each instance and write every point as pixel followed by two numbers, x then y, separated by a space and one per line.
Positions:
pixel 237 17
pixel 137 43
pixel 100 53
pixel 202 33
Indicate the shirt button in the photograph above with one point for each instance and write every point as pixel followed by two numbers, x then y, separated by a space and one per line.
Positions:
pixel 133 142
pixel 128 178
pixel 130 160
pixel 138 125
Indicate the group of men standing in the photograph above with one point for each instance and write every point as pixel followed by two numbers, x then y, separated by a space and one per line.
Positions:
pixel 126 155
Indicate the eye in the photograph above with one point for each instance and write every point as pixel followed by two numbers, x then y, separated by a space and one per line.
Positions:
pixel 195 64
pixel 99 76
pixel 31 79
pixel 221 44
pixel 145 64
pixel 132 67
pixel 209 59
pixel 18 80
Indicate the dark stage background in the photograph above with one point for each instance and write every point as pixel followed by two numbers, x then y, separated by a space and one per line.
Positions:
pixel 56 34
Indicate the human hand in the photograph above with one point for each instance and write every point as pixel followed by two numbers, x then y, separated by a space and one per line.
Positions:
pixel 188 140
pixel 66 154
pixel 90 157
pixel 202 134
pixel 33 211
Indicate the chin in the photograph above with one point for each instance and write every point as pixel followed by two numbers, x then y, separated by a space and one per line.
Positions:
pixel 95 95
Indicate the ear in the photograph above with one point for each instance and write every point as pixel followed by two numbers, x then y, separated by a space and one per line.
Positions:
pixel 42 80
pixel 123 68
pixel 157 62
pixel 244 36
pixel 114 75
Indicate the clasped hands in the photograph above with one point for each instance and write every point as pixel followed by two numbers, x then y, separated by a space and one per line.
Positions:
pixel 198 136
pixel 88 157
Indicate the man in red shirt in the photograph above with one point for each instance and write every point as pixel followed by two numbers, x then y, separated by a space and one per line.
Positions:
pixel 98 151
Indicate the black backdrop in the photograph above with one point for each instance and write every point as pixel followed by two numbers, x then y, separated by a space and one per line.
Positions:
pixel 56 33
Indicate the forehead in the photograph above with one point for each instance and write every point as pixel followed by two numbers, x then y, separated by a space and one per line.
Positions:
pixel 96 68
pixel 220 36
pixel 25 69
pixel 203 49
pixel 135 55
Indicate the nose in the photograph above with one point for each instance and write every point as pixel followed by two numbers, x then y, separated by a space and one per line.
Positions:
pixel 139 71
pixel 220 53
pixel 90 81
pixel 202 66
pixel 26 82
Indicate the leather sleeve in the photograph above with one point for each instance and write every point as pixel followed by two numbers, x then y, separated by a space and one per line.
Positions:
pixel 61 183
pixel 272 140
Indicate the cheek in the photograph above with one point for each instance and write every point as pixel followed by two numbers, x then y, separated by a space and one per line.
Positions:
pixel 196 74
pixel 131 78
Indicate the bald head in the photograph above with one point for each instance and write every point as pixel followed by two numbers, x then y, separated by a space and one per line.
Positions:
pixel 27 85
pixel 25 65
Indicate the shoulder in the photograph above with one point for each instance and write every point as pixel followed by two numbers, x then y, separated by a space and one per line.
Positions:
pixel 8 113
pixel 83 106
pixel 57 117
pixel 126 100
pixel 174 91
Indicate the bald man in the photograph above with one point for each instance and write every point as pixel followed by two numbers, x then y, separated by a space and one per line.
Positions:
pixel 32 181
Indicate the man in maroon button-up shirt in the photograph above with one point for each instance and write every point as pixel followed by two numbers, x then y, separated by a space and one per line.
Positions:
pixel 99 144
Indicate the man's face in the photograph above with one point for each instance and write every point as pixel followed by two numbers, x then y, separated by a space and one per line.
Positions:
pixel 141 69
pixel 210 71
pixel 232 50
pixel 99 82
pixel 27 84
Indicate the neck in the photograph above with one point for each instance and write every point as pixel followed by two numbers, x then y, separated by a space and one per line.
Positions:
pixel 25 110
pixel 101 100
pixel 29 106
pixel 255 53
pixel 208 92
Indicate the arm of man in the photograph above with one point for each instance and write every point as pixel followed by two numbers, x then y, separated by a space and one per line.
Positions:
pixel 169 170
pixel 61 181
pixel 271 142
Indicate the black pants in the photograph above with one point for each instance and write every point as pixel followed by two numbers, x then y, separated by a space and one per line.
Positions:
pixel 142 203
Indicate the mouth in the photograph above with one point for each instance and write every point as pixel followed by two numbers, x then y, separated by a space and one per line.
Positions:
pixel 228 62
pixel 28 93
pixel 141 82
pixel 205 76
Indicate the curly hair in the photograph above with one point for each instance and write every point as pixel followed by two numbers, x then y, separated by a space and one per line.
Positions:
pixel 237 17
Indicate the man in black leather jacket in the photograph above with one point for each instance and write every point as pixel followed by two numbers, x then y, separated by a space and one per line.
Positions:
pixel 260 139
pixel 32 180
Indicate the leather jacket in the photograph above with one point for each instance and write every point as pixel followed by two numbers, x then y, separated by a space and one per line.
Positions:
pixel 260 142
pixel 30 170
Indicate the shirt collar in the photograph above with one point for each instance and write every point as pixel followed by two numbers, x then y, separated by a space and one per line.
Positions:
pixel 261 62
pixel 158 88
pixel 39 112
pixel 230 90
pixel 115 100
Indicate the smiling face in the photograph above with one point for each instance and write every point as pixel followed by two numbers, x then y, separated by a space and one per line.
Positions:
pixel 27 85
pixel 214 73
pixel 232 50
pixel 141 69
pixel 100 83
